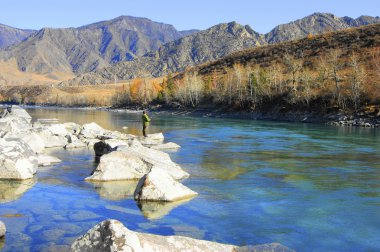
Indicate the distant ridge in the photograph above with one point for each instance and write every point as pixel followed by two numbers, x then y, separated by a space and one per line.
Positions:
pixel 315 24
pixel 11 36
pixel 90 47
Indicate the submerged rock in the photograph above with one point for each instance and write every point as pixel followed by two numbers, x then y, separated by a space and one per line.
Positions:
pixel 112 235
pixel 45 160
pixel 166 146
pixel 11 190
pixel 115 190
pixel 158 185
pixel 17 160
pixel 2 229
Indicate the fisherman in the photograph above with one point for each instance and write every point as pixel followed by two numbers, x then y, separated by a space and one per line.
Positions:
pixel 145 120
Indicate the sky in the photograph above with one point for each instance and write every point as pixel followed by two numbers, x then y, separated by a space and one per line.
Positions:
pixel 261 15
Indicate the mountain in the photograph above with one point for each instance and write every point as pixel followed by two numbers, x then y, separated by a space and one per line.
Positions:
pixel 11 36
pixel 314 24
pixel 90 47
pixel 197 48
pixel 126 47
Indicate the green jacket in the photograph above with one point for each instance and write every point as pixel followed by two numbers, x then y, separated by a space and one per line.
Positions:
pixel 146 120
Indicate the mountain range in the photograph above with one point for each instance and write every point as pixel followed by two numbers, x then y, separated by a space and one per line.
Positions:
pixel 127 47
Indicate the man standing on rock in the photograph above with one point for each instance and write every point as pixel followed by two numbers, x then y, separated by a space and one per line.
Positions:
pixel 145 120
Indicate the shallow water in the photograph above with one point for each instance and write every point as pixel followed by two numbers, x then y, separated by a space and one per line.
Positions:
pixel 309 187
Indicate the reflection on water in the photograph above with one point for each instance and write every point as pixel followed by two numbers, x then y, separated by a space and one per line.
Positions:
pixel 2 242
pixel 309 187
pixel 11 190
pixel 115 190
pixel 157 210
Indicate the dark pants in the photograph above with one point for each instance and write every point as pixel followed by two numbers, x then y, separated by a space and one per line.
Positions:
pixel 144 130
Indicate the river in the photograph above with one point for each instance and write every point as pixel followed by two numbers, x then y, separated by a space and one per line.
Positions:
pixel 309 187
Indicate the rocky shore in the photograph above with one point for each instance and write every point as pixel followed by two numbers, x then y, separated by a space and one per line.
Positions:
pixel 121 157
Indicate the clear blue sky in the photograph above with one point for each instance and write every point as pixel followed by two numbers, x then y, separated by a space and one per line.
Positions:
pixel 261 15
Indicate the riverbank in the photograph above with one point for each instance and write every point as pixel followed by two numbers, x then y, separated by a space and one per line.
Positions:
pixel 367 117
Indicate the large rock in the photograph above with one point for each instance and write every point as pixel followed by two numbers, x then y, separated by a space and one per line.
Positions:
pixel 35 142
pixel 51 140
pixel 12 126
pixel 132 163
pixel 17 160
pixel 158 185
pixel 92 131
pixel 120 166
pixel 157 158
pixel 58 130
pixel 73 128
pixel 112 235
pixel 19 112
pixel 2 229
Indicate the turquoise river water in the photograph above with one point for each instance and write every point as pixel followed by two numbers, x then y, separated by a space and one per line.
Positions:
pixel 309 187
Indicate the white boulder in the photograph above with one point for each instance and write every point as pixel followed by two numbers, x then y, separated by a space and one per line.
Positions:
pixel 159 159
pixel 45 160
pixel 92 131
pixel 35 142
pixel 51 140
pixel 119 166
pixel 73 128
pixel 17 160
pixel 58 130
pixel 112 235
pixel 19 112
pixel 158 185
pixel 3 229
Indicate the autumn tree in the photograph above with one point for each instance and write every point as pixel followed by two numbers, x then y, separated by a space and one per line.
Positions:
pixel 357 78
pixel 335 66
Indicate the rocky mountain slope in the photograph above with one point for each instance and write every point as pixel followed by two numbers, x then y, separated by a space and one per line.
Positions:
pixel 315 24
pixel 90 47
pixel 215 43
pixel 208 45
pixel 11 36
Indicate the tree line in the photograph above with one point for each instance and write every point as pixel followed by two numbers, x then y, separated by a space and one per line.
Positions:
pixel 339 79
